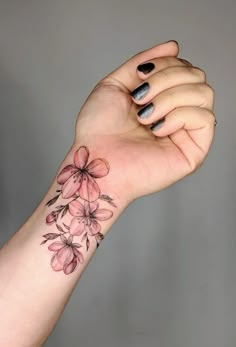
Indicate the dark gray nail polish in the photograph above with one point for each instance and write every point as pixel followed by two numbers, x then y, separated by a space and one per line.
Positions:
pixel 146 110
pixel 158 124
pixel 140 91
pixel 146 68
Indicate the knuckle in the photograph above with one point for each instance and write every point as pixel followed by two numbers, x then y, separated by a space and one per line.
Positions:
pixel 210 91
pixel 207 94
pixel 211 118
pixel 196 162
pixel 199 73
pixel 186 62
pixel 164 62
pixel 164 73
pixel 103 83
pixel 203 91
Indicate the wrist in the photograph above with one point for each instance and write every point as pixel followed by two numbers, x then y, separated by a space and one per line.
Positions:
pixel 71 212
pixel 114 184
pixel 51 250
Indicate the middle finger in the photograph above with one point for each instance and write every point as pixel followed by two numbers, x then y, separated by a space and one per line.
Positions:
pixel 165 79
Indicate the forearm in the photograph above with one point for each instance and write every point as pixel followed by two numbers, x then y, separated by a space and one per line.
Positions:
pixel 34 288
pixel 135 150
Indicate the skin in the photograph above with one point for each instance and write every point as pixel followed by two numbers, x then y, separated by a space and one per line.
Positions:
pixel 141 161
pixel 108 120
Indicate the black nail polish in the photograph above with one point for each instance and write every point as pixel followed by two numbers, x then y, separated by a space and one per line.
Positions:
pixel 146 68
pixel 140 91
pixel 146 110
pixel 158 124
pixel 173 41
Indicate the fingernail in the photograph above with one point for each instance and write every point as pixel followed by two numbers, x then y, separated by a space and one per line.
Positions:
pixel 173 41
pixel 140 91
pixel 158 124
pixel 146 111
pixel 146 68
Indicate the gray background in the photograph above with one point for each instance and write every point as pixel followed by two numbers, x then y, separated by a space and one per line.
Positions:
pixel 166 273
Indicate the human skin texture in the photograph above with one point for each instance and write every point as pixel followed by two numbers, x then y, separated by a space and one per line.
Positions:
pixel 144 126
pixel 79 186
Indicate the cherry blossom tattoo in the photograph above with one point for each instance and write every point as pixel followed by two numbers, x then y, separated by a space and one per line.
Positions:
pixel 83 212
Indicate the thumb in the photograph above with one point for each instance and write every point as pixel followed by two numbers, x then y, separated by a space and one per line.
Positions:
pixel 126 77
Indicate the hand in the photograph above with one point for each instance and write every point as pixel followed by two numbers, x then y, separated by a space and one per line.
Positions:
pixel 146 158
pixel 76 213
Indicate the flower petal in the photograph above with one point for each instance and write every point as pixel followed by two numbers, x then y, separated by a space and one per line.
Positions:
pixel 65 255
pixel 77 226
pixel 70 239
pixel 81 258
pixel 86 209
pixel 103 214
pixel 68 269
pixel 79 255
pixel 76 252
pixel 94 228
pixel 81 157
pixel 90 207
pixel 98 168
pixel 55 263
pixel 70 187
pixel 77 245
pixel 76 209
pixel 66 173
pixel 86 229
pixel 89 189
pixel 63 238
pixel 56 246
pixel 93 206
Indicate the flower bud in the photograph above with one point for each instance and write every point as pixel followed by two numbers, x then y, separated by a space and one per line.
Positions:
pixel 51 218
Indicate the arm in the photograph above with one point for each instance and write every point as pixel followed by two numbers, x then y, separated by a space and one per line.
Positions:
pixel 120 153
pixel 43 261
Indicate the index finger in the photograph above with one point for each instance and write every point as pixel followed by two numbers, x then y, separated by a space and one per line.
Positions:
pixel 126 75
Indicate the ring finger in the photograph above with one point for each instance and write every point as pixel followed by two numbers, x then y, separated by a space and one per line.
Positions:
pixel 200 95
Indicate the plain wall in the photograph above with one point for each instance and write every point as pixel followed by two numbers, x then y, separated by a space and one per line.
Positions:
pixel 165 275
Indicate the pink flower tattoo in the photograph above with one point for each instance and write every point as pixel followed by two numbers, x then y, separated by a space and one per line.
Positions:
pixel 86 217
pixel 52 217
pixel 67 256
pixel 82 213
pixel 80 178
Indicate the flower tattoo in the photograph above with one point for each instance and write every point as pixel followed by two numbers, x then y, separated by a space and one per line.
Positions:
pixel 78 183
pixel 80 178
pixel 66 256
pixel 86 217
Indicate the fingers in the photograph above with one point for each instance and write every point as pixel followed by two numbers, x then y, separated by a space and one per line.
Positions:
pixel 152 66
pixel 186 117
pixel 199 94
pixel 191 119
pixel 165 79
pixel 126 75
pixel 174 100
